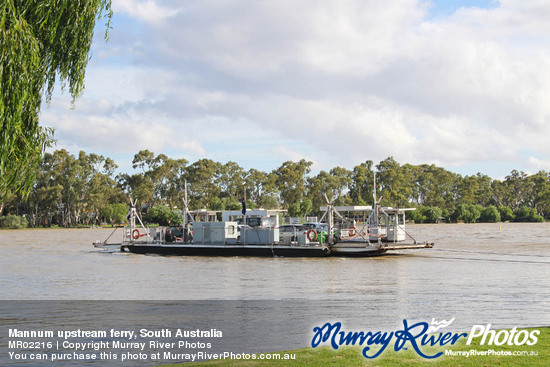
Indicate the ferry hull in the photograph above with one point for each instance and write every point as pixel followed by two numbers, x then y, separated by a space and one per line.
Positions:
pixel 357 252
pixel 347 250
pixel 229 250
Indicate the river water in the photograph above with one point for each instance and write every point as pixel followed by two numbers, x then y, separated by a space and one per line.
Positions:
pixel 476 273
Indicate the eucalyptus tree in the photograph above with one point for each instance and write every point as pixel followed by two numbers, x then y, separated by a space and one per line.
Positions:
pixel 167 175
pixel 230 179
pixel 103 190
pixel 467 190
pixel 539 195
pixel 500 193
pixel 485 195
pixel 66 172
pixel 43 200
pixel 517 189
pixel 70 190
pixel 160 181
pixel 335 184
pixel 201 177
pixel 394 182
pixel 41 42
pixel 137 186
pixel 291 180
pixel 476 189
pixel 261 188
pixel 317 187
pixel 362 182
pixel 435 186
pixel 342 179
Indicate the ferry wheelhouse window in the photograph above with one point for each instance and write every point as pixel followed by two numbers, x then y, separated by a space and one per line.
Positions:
pixel 254 222
pixel 231 230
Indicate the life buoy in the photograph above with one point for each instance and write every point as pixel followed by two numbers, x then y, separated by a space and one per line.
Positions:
pixel 135 234
pixel 351 231
pixel 312 235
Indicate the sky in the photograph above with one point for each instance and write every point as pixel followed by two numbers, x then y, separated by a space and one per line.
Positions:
pixel 464 85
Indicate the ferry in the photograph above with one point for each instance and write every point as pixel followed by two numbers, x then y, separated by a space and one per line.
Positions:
pixel 352 231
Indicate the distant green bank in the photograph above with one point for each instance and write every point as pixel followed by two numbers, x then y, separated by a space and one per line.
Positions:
pixel 536 355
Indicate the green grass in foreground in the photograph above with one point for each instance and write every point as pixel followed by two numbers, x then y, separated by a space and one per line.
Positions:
pixel 351 356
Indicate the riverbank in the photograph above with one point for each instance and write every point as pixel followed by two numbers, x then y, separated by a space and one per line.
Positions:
pixel 536 355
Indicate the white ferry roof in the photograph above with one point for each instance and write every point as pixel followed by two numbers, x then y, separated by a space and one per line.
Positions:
pixel 366 208
pixel 257 212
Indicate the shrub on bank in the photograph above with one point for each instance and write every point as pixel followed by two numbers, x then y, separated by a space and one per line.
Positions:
pixel 431 214
pixel 467 212
pixel 490 214
pixel 470 213
pixel 162 215
pixel 506 213
pixel 526 214
pixel 425 214
pixel 13 222
pixel 114 213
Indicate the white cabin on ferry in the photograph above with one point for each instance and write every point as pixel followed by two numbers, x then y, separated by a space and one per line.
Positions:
pixel 233 215
pixel 387 225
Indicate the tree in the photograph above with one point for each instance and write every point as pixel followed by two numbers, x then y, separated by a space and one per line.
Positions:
pixel 230 179
pixel 539 195
pixel 435 186
pixel 291 180
pixel 294 209
pixel 261 188
pixel 362 184
pixel 161 180
pixel 394 183
pixel 167 175
pixel 517 189
pixel 201 177
pixel 40 41
pixel 475 190
pixel 321 184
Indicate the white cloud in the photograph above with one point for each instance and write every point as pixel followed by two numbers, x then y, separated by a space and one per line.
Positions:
pixel 336 82
pixel 103 132
pixel 536 164
pixel 148 10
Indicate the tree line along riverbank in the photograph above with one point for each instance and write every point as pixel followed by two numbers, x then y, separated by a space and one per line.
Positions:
pixel 87 189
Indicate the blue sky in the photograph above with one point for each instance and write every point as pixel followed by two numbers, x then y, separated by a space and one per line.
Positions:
pixel 460 84
pixel 440 8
